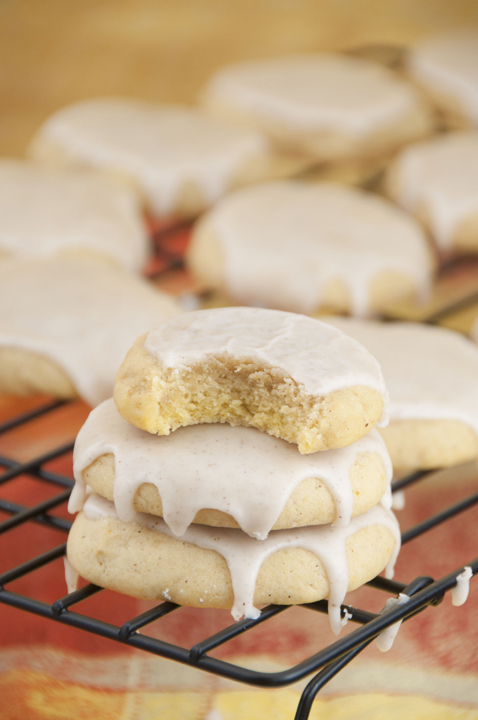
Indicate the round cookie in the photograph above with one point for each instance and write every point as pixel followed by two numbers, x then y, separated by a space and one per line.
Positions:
pixel 437 182
pixel 217 475
pixel 297 246
pixel 66 323
pixel 288 375
pixel 446 66
pixel 48 212
pixel 179 159
pixel 432 377
pixel 226 568
pixel 331 107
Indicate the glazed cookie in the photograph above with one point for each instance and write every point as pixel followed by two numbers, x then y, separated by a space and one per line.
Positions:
pixel 225 568
pixel 437 181
pixel 217 475
pixel 288 375
pixel 181 160
pixel 298 246
pixel 65 324
pixel 51 212
pixel 432 377
pixel 446 66
pixel 332 107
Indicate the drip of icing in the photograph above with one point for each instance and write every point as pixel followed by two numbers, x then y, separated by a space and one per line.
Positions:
pixel 386 638
pixel 240 471
pixel 45 211
pixel 71 576
pixel 245 555
pixel 459 593
pixel 162 147
pixel 398 500
pixel 441 175
pixel 315 92
pixel 420 364
pixel 311 352
pixel 346 617
pixel 283 242
pixel 449 63
pixel 81 314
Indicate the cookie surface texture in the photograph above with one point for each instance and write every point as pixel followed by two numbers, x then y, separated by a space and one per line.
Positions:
pixel 332 107
pixel 437 181
pixel 181 160
pixel 432 377
pixel 46 212
pixel 447 67
pixel 217 475
pixel 226 568
pixel 288 375
pixel 297 246
pixel 66 324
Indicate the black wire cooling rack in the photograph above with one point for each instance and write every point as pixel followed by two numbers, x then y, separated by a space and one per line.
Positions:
pixel 423 591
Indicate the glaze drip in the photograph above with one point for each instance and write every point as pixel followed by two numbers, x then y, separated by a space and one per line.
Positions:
pixel 245 555
pixel 240 471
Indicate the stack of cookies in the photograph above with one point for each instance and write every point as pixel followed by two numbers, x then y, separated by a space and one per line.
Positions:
pixel 192 503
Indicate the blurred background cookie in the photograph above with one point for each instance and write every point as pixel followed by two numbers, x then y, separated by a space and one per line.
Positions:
pixel 446 66
pixel 300 247
pixel 48 212
pixel 437 182
pixel 432 377
pixel 178 158
pixel 66 324
pixel 330 107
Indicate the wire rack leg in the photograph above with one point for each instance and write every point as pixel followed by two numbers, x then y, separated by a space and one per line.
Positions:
pixel 322 678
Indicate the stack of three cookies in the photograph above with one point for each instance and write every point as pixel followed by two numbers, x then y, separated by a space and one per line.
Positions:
pixel 217 513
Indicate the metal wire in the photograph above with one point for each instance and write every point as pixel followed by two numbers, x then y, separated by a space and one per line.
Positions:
pixel 423 592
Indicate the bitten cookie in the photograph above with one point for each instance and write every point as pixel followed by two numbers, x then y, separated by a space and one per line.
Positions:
pixel 224 568
pixel 298 246
pixel 432 377
pixel 48 212
pixel 332 107
pixel 217 475
pixel 288 375
pixel 437 182
pixel 65 324
pixel 181 160
pixel 446 66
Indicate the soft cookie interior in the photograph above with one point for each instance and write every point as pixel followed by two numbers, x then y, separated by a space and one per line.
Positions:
pixel 241 392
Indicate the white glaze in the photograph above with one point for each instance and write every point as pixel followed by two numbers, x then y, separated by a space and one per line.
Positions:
pixel 162 147
pixel 240 471
pixel 441 175
pixel 245 555
pixel 82 314
pixel 44 212
pixel 282 242
pixel 398 500
pixel 386 638
pixel 314 92
pixel 449 63
pixel 431 373
pixel 312 353
pixel 459 593
pixel 71 576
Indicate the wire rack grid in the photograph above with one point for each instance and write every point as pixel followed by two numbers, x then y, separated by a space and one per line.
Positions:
pixel 423 591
